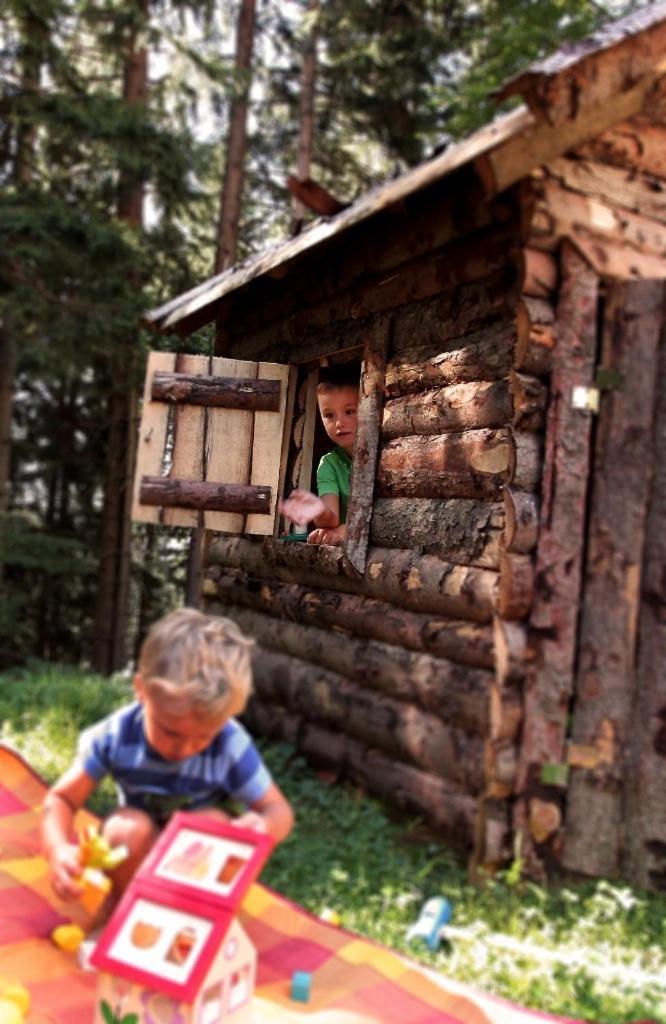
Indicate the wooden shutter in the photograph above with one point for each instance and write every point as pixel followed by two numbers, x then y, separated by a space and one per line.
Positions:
pixel 211 443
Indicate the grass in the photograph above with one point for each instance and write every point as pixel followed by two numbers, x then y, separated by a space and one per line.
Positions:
pixel 595 951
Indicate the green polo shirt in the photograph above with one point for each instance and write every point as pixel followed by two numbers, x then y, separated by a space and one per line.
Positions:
pixel 334 476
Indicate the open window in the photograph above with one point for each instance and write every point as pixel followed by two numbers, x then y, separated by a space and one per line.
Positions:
pixel 222 439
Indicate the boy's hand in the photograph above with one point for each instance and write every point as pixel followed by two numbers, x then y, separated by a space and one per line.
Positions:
pixel 251 819
pixel 333 536
pixel 65 864
pixel 302 507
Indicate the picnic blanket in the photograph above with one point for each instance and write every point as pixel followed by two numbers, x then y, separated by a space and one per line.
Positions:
pixel 354 981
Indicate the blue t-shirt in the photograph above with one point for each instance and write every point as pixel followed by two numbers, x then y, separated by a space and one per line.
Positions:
pixel 230 766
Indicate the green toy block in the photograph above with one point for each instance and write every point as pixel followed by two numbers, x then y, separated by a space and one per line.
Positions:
pixel 553 774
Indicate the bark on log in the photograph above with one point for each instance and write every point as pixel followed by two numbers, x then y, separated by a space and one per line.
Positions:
pixel 456 694
pixel 220 392
pixel 529 400
pixel 557 582
pixel 441 802
pixel 644 805
pixel 500 767
pixel 516 586
pixel 527 464
pixel 460 530
pixel 472 464
pixel 485 355
pixel 466 643
pixel 621 485
pixel 535 336
pixel 539 273
pixel 199 494
pixel 635 144
pixel 400 729
pixel 467 406
pixel 421 583
pixel 366 446
pixel 641 193
pixel 275 722
pixel 521 521
pixel 512 650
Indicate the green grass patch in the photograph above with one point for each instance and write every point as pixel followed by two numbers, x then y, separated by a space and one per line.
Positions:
pixel 595 951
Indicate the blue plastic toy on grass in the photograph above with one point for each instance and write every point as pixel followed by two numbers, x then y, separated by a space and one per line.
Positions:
pixel 435 913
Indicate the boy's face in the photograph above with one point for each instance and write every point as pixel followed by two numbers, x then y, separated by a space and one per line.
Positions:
pixel 338 408
pixel 174 729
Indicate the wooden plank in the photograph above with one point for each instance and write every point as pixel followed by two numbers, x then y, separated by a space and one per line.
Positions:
pixel 229 444
pixel 553 620
pixel 267 448
pixel 606 680
pixel 311 412
pixel 645 817
pixel 286 437
pixel 187 461
pixel 152 436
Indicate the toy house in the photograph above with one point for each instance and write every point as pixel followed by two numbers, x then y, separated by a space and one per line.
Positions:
pixel 488 647
pixel 174 951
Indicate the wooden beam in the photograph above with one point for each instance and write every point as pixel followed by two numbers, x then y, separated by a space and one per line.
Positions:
pixel 221 392
pixel 643 194
pixel 464 643
pixel 366 444
pixel 554 615
pixel 606 679
pixel 167 492
pixel 636 145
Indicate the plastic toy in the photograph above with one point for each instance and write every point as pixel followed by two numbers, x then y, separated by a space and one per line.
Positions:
pixel 97 857
pixel 435 913
pixel 68 937
pixel 331 916
pixel 14 1002
pixel 300 986
pixel 173 949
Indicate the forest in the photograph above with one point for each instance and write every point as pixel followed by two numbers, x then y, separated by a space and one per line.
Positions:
pixel 145 145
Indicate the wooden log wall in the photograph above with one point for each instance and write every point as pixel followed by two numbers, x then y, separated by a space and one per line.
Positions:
pixel 388 676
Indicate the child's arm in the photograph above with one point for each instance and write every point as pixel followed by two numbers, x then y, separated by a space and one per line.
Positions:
pixel 271 813
pixel 60 848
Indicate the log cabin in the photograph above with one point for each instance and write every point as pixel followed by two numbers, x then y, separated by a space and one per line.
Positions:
pixel 487 649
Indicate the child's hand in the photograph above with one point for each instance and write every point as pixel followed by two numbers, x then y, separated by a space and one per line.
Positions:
pixel 302 507
pixel 251 819
pixel 65 864
pixel 333 536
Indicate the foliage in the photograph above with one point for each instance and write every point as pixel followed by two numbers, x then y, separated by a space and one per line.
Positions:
pixel 596 951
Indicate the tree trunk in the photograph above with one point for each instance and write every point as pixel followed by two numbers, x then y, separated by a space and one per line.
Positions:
pixel 306 112
pixel 470 464
pixel 110 635
pixel 466 406
pixel 227 234
pixel 465 643
pixel 606 677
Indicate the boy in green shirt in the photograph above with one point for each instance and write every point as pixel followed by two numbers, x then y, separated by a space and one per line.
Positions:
pixel 337 398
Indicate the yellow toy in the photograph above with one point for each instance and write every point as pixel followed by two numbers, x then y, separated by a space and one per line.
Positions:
pixel 68 937
pixel 97 856
pixel 14 1002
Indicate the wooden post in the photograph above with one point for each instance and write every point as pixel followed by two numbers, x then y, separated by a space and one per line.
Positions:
pixel 366 445
pixel 644 804
pixel 558 564
pixel 622 475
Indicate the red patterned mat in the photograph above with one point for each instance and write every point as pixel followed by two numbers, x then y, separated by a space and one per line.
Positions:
pixel 353 980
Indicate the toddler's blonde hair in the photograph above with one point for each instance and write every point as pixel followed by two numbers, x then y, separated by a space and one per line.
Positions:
pixel 201 660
